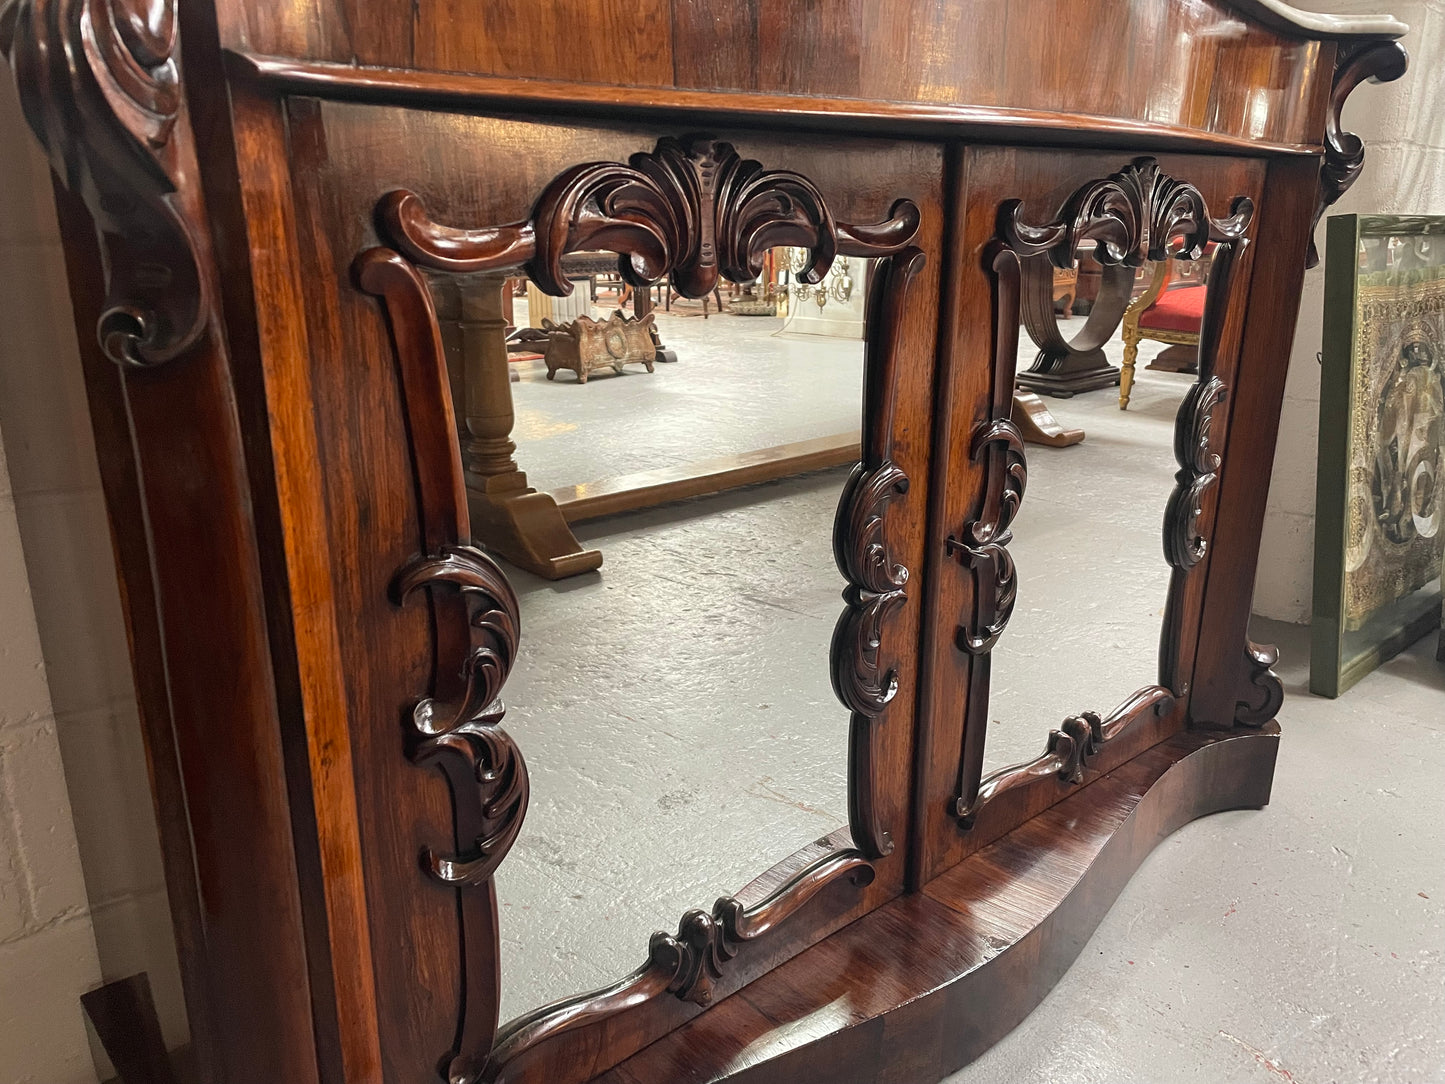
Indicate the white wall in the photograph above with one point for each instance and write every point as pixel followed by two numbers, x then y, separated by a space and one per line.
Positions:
pixel 47 946
pixel 1403 125
pixel 87 706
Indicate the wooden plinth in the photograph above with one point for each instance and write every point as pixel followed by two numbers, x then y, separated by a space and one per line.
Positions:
pixel 922 986
pixel 1179 358
pixel 1066 376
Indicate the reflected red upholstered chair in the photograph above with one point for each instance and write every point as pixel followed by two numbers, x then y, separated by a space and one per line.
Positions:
pixel 1169 311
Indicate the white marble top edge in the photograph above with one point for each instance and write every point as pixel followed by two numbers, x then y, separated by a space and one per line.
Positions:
pixel 1312 24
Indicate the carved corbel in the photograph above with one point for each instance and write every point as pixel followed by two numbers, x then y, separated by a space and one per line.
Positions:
pixel 1263 692
pixel 1379 62
pixel 100 86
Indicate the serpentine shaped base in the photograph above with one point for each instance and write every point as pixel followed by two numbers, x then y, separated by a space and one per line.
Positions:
pixel 921 987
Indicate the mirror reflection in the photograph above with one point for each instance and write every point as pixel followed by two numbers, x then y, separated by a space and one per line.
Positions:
pixel 673 705
pixel 1092 578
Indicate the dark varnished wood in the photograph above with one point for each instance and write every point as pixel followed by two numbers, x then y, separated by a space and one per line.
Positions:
pixel 1136 214
pixel 203 673
pixel 956 674
pixel 1221 666
pixel 476 621
pixel 692 209
pixel 877 583
pixel 100 84
pixel 945 973
pixel 296 466
pixel 1379 62
pixel 684 970
pixel 927 119
pixel 990 54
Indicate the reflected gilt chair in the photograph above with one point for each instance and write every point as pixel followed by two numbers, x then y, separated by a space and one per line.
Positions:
pixel 1169 311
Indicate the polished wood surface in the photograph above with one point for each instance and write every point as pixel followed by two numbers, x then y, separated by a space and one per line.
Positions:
pixel 1043 182
pixel 296 478
pixel 1192 65
pixel 922 986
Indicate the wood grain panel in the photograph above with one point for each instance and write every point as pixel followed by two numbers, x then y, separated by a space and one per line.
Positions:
pixel 472 170
pixel 1200 65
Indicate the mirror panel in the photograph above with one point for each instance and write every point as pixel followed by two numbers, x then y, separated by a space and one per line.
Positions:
pixel 675 706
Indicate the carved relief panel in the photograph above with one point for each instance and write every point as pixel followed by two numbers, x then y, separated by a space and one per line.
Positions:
pixel 701 210
pixel 1093 517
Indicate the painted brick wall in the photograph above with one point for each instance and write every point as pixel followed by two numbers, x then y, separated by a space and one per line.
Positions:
pixel 1403 125
pixel 47 945
pixel 84 716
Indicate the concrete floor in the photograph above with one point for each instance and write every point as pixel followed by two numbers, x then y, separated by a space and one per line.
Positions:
pixel 1299 943
pixel 681 735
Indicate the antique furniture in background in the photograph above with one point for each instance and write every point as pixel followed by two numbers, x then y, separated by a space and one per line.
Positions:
pixel 1169 311
pixel 319 644
pixel 1066 286
pixel 1086 288
pixel 585 344
pixel 1380 487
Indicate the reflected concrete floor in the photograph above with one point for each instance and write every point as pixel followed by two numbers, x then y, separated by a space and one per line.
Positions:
pixel 736 388
pixel 681 735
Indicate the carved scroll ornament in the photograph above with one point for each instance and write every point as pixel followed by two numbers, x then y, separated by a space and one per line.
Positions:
pixel 998 445
pixel 1263 692
pixel 1379 62
pixel 100 87
pixel 876 581
pixel 696 210
pixel 1068 749
pixel 1139 213
pixel 691 208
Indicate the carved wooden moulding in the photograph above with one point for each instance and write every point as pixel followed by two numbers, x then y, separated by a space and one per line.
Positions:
pixel 695 210
pixel 1356 62
pixel 1139 213
pixel 100 86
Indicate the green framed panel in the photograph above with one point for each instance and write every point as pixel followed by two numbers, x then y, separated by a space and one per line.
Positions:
pixel 1380 487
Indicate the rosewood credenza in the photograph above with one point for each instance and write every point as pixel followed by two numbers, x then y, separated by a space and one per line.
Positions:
pixel 257 199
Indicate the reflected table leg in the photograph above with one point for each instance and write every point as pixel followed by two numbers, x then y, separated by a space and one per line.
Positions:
pixel 508 516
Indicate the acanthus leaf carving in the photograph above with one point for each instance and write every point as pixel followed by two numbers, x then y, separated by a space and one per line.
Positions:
pixel 1184 542
pixel 463 736
pixel 100 87
pixel 694 209
pixel 1139 213
pixel 1136 214
pixel 691 208
pixel 696 957
pixel 984 547
pixel 1068 749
